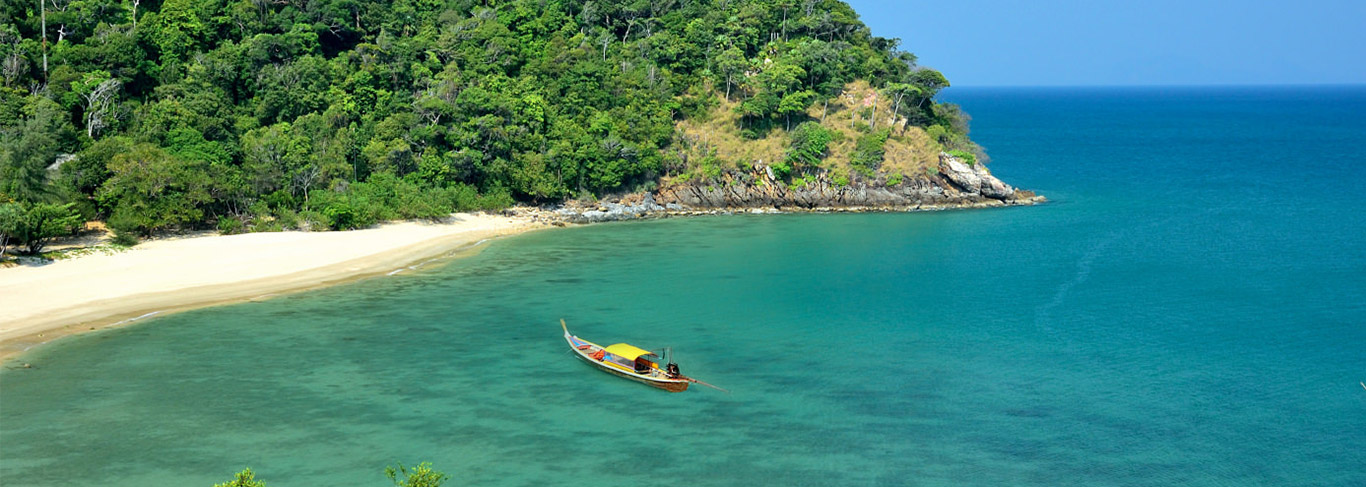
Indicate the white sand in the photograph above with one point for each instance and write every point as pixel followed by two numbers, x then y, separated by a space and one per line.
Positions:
pixel 38 303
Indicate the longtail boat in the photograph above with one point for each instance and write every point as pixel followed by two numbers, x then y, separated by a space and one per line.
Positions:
pixel 630 362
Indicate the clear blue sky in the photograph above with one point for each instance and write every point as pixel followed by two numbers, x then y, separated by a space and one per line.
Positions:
pixel 1153 42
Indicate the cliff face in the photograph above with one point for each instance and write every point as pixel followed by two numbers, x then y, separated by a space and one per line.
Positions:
pixel 955 184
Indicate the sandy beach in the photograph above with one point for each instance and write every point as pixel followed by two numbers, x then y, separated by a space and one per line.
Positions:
pixel 41 303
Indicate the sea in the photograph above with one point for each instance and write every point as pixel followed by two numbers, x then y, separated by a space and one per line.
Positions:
pixel 1189 308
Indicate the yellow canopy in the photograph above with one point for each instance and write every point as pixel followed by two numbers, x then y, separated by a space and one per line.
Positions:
pixel 628 351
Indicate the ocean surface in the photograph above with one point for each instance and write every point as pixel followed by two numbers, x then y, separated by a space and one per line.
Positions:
pixel 1189 309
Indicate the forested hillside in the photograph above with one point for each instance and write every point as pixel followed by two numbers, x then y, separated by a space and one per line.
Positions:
pixel 269 114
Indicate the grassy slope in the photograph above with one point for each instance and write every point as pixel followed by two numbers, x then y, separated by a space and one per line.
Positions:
pixel 909 151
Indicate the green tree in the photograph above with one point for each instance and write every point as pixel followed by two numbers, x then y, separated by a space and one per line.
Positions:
pixel 39 223
pixel 290 90
pixel 794 102
pixel 99 92
pixel 90 168
pixel 869 150
pixel 245 478
pixel 150 189
pixel 422 476
pixel 28 148
pixel 272 156
pixel 731 65
pixel 261 106
pixel 176 29
pixel 899 92
pixel 927 83
pixel 809 142
pixel 11 216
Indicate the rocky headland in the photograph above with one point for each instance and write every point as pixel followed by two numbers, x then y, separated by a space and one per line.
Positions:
pixel 955 185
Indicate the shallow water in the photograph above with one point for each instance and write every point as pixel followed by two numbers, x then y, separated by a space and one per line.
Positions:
pixel 1187 311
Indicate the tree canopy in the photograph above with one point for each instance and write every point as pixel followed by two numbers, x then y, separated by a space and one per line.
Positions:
pixel 294 113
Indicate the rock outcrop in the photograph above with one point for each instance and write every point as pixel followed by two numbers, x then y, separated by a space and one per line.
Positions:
pixel 956 184
pixel 973 179
pixel 628 208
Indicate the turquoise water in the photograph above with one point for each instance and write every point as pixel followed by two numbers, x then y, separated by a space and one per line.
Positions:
pixel 1189 310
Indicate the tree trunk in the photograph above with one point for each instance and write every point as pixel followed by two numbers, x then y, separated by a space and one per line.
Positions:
pixel 872 117
pixel 825 109
pixel 896 106
pixel 784 25
pixel 42 9
pixel 36 240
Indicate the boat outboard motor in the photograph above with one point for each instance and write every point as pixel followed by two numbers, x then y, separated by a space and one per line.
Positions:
pixel 672 370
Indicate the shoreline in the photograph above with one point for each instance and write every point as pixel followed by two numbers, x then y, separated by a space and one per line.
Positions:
pixel 96 292
pixel 109 296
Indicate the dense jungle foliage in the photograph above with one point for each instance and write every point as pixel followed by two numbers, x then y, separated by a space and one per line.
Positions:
pixel 269 114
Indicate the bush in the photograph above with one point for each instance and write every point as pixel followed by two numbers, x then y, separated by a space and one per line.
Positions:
pixel 33 226
pixel 124 238
pixel 809 142
pixel 839 177
pixel 151 189
pixel 781 170
pixel 263 224
pixel 314 221
pixel 280 199
pixel 120 224
pixel 495 199
pixel 965 156
pixel 953 118
pixel 648 186
pixel 711 168
pixel 868 151
pixel 684 177
pixel 421 204
pixel 463 197
pixel 386 197
pixel 344 216
pixel 245 478
pixel 698 103
pixel 359 207
pixel 287 218
pixel 228 225
pixel 422 476
pixel 939 134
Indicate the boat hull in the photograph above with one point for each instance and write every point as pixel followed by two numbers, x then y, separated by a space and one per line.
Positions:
pixel 671 386
pixel 583 348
